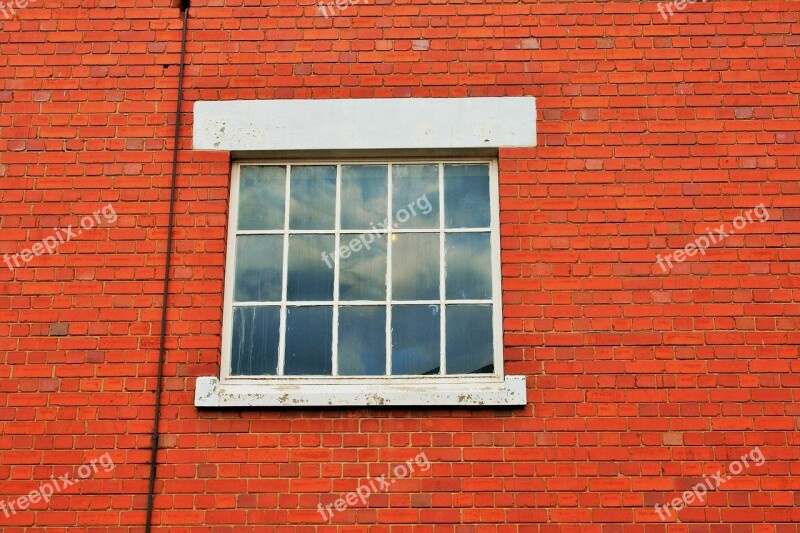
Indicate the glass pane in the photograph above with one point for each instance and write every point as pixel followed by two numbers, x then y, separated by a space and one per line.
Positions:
pixel 261 196
pixel 362 341
pixel 313 197
pixel 468 260
pixel 259 266
pixel 415 339
pixel 254 341
pixel 466 196
pixel 310 274
pixel 469 339
pixel 415 196
pixel 415 266
pixel 309 333
pixel 362 275
pixel 365 196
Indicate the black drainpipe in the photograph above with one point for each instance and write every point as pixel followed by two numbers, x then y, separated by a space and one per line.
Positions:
pixel 163 336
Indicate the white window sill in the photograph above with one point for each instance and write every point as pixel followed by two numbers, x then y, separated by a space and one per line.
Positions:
pixel 210 392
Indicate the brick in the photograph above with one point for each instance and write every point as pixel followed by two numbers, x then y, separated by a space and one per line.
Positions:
pixel 639 380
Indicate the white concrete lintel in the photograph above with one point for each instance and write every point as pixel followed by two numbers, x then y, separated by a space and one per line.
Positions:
pixel 210 392
pixel 365 124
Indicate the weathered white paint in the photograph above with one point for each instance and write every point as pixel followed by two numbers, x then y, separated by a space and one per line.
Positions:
pixel 211 392
pixel 365 124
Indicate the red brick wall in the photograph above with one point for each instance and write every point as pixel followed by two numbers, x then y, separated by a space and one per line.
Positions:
pixel 639 380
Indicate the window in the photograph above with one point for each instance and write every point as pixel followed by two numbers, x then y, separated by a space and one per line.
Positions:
pixel 363 283
pixel 363 270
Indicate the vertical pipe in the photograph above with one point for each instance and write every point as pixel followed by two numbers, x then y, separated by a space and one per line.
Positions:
pixel 167 266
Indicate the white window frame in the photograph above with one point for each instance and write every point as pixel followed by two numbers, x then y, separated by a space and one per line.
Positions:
pixel 472 389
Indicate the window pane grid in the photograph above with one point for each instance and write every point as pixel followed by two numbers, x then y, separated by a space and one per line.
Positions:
pixel 390 232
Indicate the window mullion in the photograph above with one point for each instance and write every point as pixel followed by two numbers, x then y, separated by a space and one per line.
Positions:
pixel 389 273
pixel 442 275
pixel 285 274
pixel 336 273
